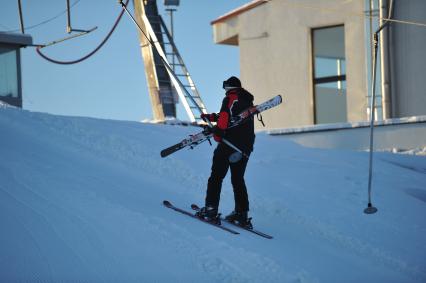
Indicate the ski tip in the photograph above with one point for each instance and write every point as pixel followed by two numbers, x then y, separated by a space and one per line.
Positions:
pixel 167 203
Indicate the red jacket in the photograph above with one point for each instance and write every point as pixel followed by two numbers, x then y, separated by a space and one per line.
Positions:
pixel 236 101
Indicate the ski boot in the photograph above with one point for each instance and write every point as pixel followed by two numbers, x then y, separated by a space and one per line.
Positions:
pixel 209 213
pixel 240 218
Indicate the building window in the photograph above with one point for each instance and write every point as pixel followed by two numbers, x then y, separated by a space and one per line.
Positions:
pixel 329 74
pixel 9 76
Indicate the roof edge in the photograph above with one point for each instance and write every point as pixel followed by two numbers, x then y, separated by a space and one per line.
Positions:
pixel 239 10
pixel 16 39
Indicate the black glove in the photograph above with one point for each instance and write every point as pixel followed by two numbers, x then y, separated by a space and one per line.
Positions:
pixel 209 117
pixel 207 129
pixel 218 132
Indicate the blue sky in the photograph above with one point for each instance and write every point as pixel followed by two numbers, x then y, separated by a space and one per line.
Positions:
pixel 111 84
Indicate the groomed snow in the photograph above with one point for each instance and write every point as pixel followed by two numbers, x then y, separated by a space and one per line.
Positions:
pixel 81 201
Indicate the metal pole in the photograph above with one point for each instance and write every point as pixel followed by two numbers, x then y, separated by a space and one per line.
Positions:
pixel 21 19
pixel 386 90
pixel 69 29
pixel 371 34
pixel 370 208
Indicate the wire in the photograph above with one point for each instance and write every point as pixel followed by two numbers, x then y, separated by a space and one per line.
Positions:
pixel 404 22
pixel 88 55
pixel 46 21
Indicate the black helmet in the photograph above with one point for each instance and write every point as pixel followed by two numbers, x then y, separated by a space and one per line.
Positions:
pixel 231 82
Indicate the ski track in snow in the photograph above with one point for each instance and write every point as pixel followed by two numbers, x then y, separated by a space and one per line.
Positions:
pixel 362 248
pixel 132 152
pixel 223 262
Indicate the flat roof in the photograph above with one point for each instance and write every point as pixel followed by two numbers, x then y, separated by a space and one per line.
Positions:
pixel 239 10
pixel 345 126
pixel 16 38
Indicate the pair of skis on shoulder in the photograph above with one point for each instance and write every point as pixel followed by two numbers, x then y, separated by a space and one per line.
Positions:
pixel 194 140
pixel 195 208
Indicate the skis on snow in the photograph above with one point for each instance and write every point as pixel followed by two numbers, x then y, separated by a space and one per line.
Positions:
pixel 196 208
pixel 168 204
pixel 194 140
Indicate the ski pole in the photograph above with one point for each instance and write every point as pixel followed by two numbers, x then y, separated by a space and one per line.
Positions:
pixel 234 148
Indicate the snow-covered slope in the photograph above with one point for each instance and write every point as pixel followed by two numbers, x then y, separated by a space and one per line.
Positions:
pixel 80 201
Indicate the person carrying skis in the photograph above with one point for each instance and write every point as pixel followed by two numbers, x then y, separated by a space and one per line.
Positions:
pixel 236 100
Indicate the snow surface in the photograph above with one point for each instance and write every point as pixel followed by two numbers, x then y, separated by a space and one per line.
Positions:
pixel 81 201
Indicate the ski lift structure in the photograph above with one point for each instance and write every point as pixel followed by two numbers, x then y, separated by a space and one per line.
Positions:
pixel 167 76
pixel 70 30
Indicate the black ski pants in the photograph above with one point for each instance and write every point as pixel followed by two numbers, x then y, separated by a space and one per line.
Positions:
pixel 220 167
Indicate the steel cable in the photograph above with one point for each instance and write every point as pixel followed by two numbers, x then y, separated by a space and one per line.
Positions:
pixel 88 55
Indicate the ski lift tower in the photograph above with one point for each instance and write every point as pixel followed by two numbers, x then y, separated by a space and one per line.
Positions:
pixel 164 91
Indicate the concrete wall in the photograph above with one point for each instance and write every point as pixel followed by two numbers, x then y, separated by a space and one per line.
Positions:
pixel 276 57
pixel 408 59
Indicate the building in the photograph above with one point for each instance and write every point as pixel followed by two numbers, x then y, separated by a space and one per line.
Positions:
pixel 10 67
pixel 406 67
pixel 317 54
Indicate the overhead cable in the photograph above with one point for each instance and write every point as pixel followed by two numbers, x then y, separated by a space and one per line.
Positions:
pixel 88 55
pixel 45 21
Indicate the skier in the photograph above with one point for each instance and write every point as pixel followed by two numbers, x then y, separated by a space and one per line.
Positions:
pixel 242 136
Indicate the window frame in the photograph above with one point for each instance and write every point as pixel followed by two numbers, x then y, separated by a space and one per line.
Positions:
pixel 14 101
pixel 321 80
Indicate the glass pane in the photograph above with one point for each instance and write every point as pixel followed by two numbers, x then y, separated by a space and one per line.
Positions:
pixel 327 67
pixel 8 73
pixel 329 51
pixel 336 85
pixel 330 103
